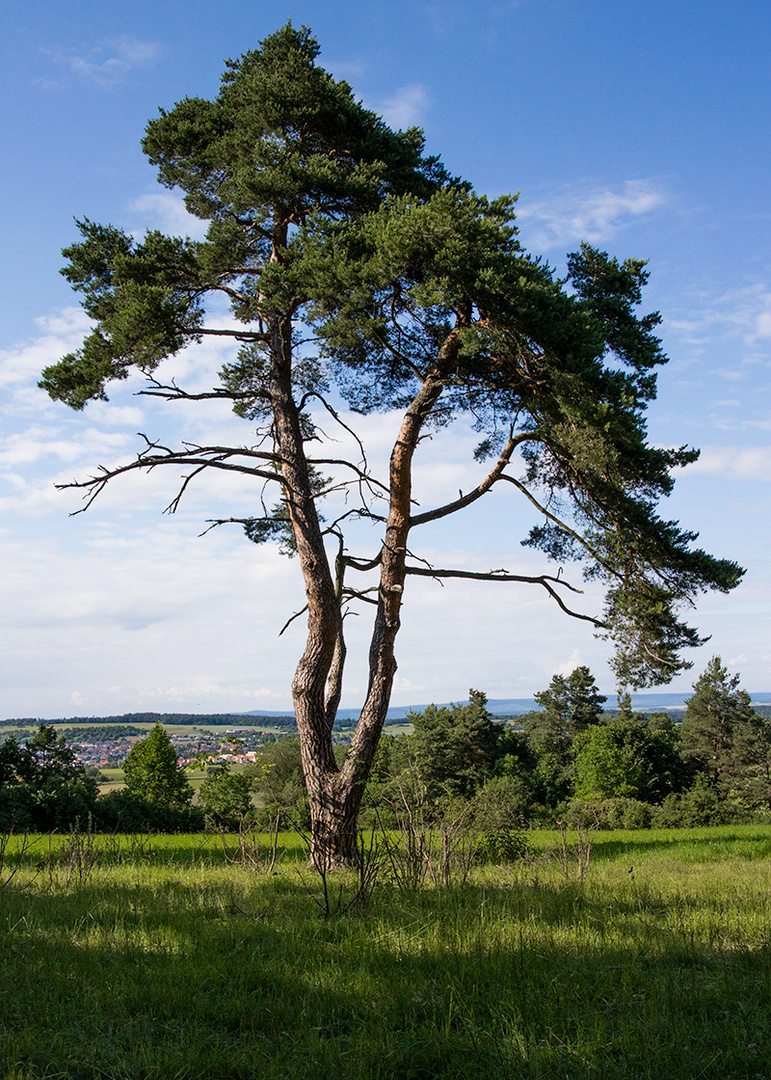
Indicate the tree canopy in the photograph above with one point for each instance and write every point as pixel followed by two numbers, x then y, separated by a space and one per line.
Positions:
pixel 454 747
pixel 357 270
pixel 152 772
pixel 43 785
pixel 723 737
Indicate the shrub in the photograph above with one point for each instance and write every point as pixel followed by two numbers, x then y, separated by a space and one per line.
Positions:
pixel 615 813
pixel 124 812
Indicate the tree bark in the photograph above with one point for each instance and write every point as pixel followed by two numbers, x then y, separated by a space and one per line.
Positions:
pixel 335 794
pixel 335 807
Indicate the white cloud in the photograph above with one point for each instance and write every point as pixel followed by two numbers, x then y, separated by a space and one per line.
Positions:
pixel 738 463
pixel 407 108
pixel 36 443
pixel 594 215
pixel 744 312
pixel 109 62
pixel 166 211
pixel 763 319
pixel 575 660
pixel 60 333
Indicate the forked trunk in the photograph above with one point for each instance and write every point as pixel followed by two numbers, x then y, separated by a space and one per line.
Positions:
pixel 334 828
pixel 335 794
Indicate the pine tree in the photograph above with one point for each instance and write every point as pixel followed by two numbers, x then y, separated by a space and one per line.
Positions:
pixel 454 747
pixel 152 772
pixel 417 297
pixel 725 740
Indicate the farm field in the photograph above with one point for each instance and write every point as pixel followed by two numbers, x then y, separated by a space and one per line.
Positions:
pixel 149 957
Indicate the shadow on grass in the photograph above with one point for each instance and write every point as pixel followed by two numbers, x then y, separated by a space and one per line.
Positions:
pixel 707 843
pixel 243 979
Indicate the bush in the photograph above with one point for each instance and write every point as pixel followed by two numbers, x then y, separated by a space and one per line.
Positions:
pixel 502 805
pixel 503 846
pixel 700 805
pixel 124 812
pixel 226 798
pixel 615 813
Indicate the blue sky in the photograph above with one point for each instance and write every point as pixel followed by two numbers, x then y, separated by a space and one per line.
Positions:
pixel 641 127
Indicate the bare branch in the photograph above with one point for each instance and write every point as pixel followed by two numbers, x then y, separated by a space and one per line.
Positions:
pixel 363 564
pixel 357 511
pixel 336 416
pixel 292 618
pixel 238 335
pixel 360 594
pixel 200 457
pixel 174 504
pixel 363 476
pixel 213 523
pixel 172 392
pixel 547 581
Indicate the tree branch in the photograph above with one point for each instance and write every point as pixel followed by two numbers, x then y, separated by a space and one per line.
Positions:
pixel 364 564
pixel 239 335
pixel 147 460
pixel 292 618
pixel 547 581
pixel 360 594
pixel 336 416
pixel 559 523
pixel 172 392
pixel 495 474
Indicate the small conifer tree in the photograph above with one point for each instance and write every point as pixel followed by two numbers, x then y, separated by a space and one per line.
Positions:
pixel 152 771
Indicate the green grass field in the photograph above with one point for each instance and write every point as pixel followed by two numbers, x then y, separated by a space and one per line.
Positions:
pixel 158 958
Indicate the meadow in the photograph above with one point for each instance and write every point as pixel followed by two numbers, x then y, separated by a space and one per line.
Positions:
pixel 166 957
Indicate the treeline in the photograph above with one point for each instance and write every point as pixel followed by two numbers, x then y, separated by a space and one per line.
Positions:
pixel 573 761
pixel 44 788
pixel 188 719
pixel 102 733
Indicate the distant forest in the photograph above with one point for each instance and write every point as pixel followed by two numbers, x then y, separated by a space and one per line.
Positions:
pixel 191 719
pixel 285 723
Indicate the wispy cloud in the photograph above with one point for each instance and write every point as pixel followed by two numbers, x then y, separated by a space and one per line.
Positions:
pixel 744 312
pixel 22 364
pixel 108 62
pixel 736 462
pixel 594 214
pixel 407 108
pixel 165 210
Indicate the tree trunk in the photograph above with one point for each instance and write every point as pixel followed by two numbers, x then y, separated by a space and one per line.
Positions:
pixel 335 794
pixel 334 824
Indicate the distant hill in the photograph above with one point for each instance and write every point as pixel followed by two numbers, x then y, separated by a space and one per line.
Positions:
pixel 285 719
pixel 517 706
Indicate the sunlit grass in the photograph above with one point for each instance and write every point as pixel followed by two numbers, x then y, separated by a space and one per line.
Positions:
pixel 165 960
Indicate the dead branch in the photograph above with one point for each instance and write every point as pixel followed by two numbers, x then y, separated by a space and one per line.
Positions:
pixel 546 581
pixel 214 457
pixel 336 417
pixel 292 618
pixel 172 392
pixel 360 594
